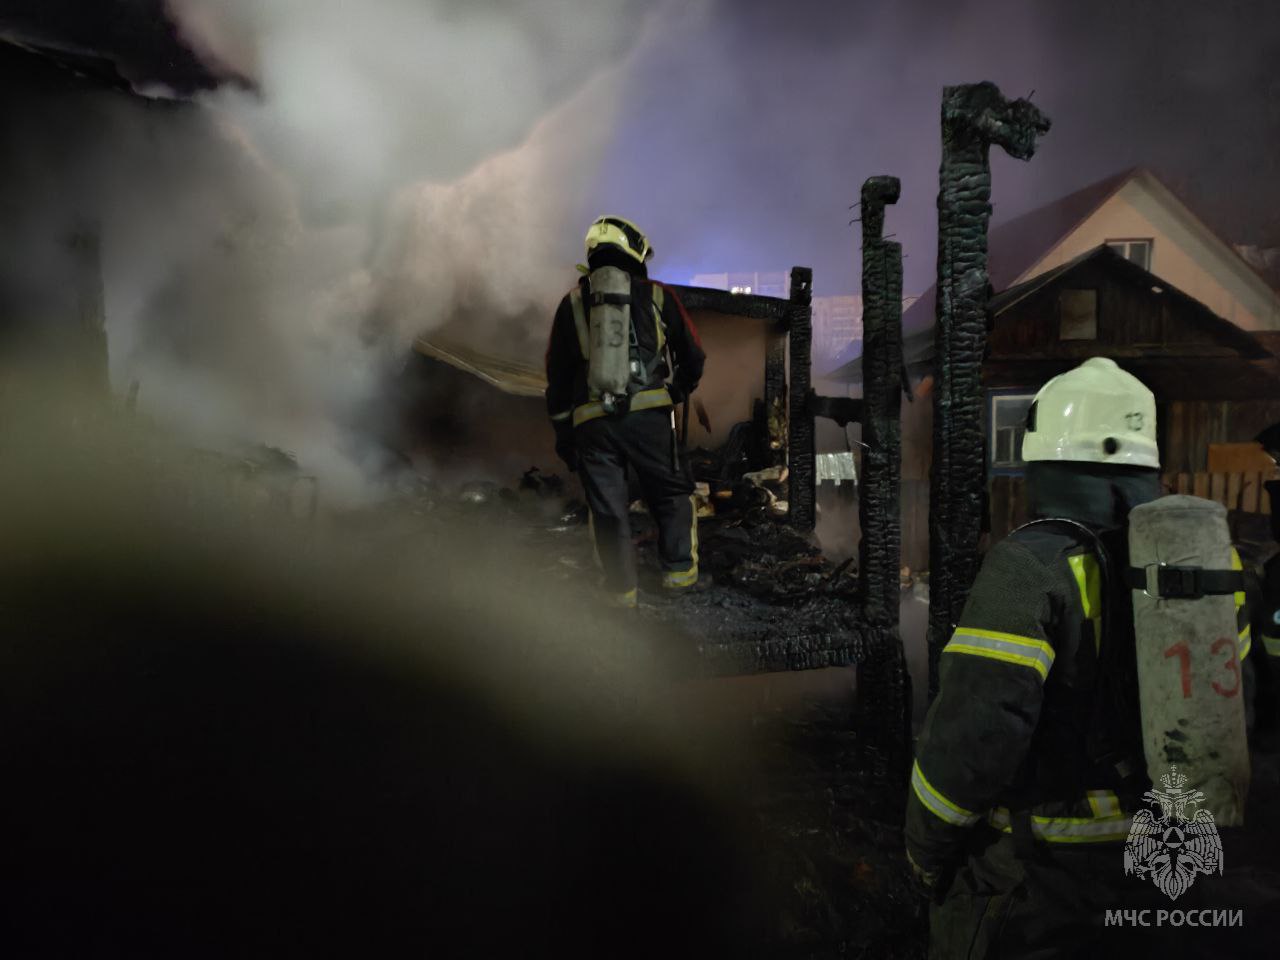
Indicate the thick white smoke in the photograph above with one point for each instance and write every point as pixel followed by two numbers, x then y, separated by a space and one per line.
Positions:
pixel 402 165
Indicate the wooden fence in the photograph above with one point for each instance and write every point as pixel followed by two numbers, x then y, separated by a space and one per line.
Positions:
pixel 1235 491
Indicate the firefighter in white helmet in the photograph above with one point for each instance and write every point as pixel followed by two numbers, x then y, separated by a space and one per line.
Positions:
pixel 622 353
pixel 1030 763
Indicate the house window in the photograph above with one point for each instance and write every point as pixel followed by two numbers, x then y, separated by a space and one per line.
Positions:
pixel 1007 423
pixel 1078 315
pixel 1137 251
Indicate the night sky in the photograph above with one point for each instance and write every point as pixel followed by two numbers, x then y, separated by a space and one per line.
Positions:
pixel 747 127
pixel 774 114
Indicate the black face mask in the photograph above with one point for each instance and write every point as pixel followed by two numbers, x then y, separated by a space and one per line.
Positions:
pixel 1095 494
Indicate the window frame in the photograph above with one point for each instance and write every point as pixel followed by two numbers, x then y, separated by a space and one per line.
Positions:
pixel 1128 242
pixel 994 398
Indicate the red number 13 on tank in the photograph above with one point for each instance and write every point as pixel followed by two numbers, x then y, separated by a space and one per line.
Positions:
pixel 1183 653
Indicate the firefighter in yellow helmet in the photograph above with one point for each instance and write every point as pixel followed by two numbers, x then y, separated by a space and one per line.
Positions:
pixel 1030 764
pixel 622 353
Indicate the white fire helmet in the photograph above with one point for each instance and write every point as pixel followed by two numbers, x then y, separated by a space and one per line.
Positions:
pixel 1096 413
pixel 623 234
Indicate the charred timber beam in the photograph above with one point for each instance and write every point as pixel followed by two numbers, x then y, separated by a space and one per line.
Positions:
pixel 974 116
pixel 803 490
pixel 883 714
pixel 733 304
pixel 775 395
pixel 878 494
pixel 775 655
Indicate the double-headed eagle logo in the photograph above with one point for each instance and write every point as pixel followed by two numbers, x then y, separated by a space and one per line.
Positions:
pixel 1170 849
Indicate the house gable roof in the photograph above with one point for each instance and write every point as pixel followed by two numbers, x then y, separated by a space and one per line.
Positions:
pixel 1223 332
pixel 918 347
pixel 1017 246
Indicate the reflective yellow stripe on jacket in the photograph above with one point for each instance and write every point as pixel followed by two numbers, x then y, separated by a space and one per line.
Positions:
pixel 939 805
pixel 1088 579
pixel 1006 647
pixel 1244 640
pixel 1108 823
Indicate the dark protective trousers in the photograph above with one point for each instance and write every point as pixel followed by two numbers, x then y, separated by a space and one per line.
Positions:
pixel 1052 902
pixel 645 440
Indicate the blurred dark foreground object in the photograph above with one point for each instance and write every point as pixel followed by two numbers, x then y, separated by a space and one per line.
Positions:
pixel 213 747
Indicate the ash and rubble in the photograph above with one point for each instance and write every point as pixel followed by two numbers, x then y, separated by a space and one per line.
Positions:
pixel 829 832
pixel 770 598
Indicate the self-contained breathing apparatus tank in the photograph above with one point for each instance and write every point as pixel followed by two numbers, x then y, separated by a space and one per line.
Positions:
pixel 1190 682
pixel 609 364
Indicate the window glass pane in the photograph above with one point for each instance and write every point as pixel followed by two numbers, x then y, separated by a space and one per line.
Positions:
pixel 1140 253
pixel 1011 411
pixel 1004 446
pixel 1078 315
pixel 1007 428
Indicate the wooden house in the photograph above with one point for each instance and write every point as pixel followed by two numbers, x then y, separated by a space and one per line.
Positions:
pixel 1120 268
pixel 1216 385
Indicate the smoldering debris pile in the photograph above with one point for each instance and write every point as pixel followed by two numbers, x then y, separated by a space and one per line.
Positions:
pixel 770 599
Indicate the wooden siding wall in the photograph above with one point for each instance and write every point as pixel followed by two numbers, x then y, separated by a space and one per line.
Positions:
pixel 1188 428
pixel 1131 321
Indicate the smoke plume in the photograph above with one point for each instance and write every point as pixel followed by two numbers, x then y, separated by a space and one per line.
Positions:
pixel 400 167
pixel 271 253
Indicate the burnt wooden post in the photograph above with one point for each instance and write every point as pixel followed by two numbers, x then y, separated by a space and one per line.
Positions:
pixel 879 499
pixel 802 490
pixel 775 395
pixel 883 701
pixel 974 116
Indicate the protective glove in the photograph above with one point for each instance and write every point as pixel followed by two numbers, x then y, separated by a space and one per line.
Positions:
pixel 566 449
pixel 930 884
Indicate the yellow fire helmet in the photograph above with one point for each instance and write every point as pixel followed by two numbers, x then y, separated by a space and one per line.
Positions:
pixel 622 234
pixel 1096 413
